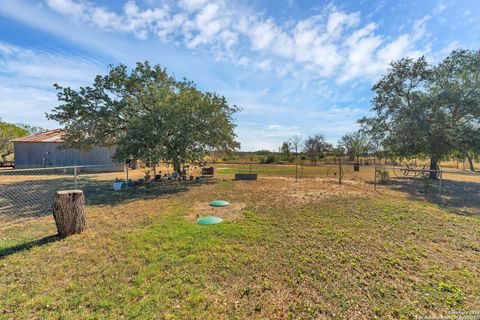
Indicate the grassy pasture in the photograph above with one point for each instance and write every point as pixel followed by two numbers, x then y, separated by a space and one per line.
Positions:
pixel 287 250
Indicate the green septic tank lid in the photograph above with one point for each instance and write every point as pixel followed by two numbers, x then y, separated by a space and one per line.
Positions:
pixel 219 203
pixel 205 221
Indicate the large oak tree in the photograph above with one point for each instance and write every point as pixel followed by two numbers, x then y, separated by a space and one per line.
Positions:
pixel 148 115
pixel 423 109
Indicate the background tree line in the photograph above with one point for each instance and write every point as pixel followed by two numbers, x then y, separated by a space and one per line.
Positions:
pixel 10 131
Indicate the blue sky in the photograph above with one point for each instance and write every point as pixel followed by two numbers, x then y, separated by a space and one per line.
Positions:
pixel 295 67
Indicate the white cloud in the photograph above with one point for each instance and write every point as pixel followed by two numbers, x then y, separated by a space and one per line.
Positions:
pixel 209 24
pixel 331 43
pixel 338 20
pixel 405 45
pixel 262 34
pixel 369 54
pixel 27 78
pixel 192 5
pixel 67 7
pixel 441 6
pixel 44 68
pixel 264 65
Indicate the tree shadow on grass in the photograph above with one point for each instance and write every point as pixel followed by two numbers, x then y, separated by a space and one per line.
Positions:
pixel 27 199
pixel 462 197
pixel 28 245
pixel 102 194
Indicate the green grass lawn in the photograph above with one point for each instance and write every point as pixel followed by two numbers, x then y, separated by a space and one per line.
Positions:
pixel 273 170
pixel 344 257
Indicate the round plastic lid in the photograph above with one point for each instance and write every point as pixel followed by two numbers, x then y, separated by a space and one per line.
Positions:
pixel 219 203
pixel 205 221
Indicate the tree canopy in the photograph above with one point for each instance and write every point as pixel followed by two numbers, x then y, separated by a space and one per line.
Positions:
pixel 9 131
pixel 315 147
pixel 148 115
pixel 355 144
pixel 425 109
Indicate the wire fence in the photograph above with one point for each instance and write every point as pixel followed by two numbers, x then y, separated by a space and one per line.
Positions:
pixel 30 192
pixel 455 188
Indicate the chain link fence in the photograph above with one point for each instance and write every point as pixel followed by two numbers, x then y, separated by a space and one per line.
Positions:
pixel 30 192
pixel 454 188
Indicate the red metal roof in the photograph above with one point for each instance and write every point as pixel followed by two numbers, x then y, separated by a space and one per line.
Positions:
pixel 47 136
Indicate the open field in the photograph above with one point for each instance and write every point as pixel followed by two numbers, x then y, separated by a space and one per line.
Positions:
pixel 311 249
pixel 459 190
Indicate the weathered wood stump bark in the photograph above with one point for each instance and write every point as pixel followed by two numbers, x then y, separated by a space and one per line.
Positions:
pixel 69 212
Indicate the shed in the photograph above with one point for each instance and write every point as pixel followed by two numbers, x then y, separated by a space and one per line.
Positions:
pixel 46 150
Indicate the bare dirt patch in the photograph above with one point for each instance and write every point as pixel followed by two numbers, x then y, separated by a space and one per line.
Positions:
pixel 306 191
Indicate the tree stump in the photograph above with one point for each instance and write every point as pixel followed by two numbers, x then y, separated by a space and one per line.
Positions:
pixel 69 212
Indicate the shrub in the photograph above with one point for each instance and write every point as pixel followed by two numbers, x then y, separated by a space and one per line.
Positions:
pixel 382 174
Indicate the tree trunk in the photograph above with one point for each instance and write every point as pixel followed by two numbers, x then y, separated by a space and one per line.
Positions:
pixel 470 163
pixel 177 167
pixel 69 212
pixel 434 167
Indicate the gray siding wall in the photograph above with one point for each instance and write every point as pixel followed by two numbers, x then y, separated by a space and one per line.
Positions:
pixel 29 155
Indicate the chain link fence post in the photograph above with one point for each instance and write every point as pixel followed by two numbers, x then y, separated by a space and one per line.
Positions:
pixel 75 176
pixel 440 185
pixel 296 172
pixel 126 174
pixel 339 170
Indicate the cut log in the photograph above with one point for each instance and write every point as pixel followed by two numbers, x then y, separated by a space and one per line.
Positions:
pixel 69 212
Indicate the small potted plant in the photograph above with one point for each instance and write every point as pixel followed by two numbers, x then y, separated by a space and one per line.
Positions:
pixel 117 184
pixel 130 183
